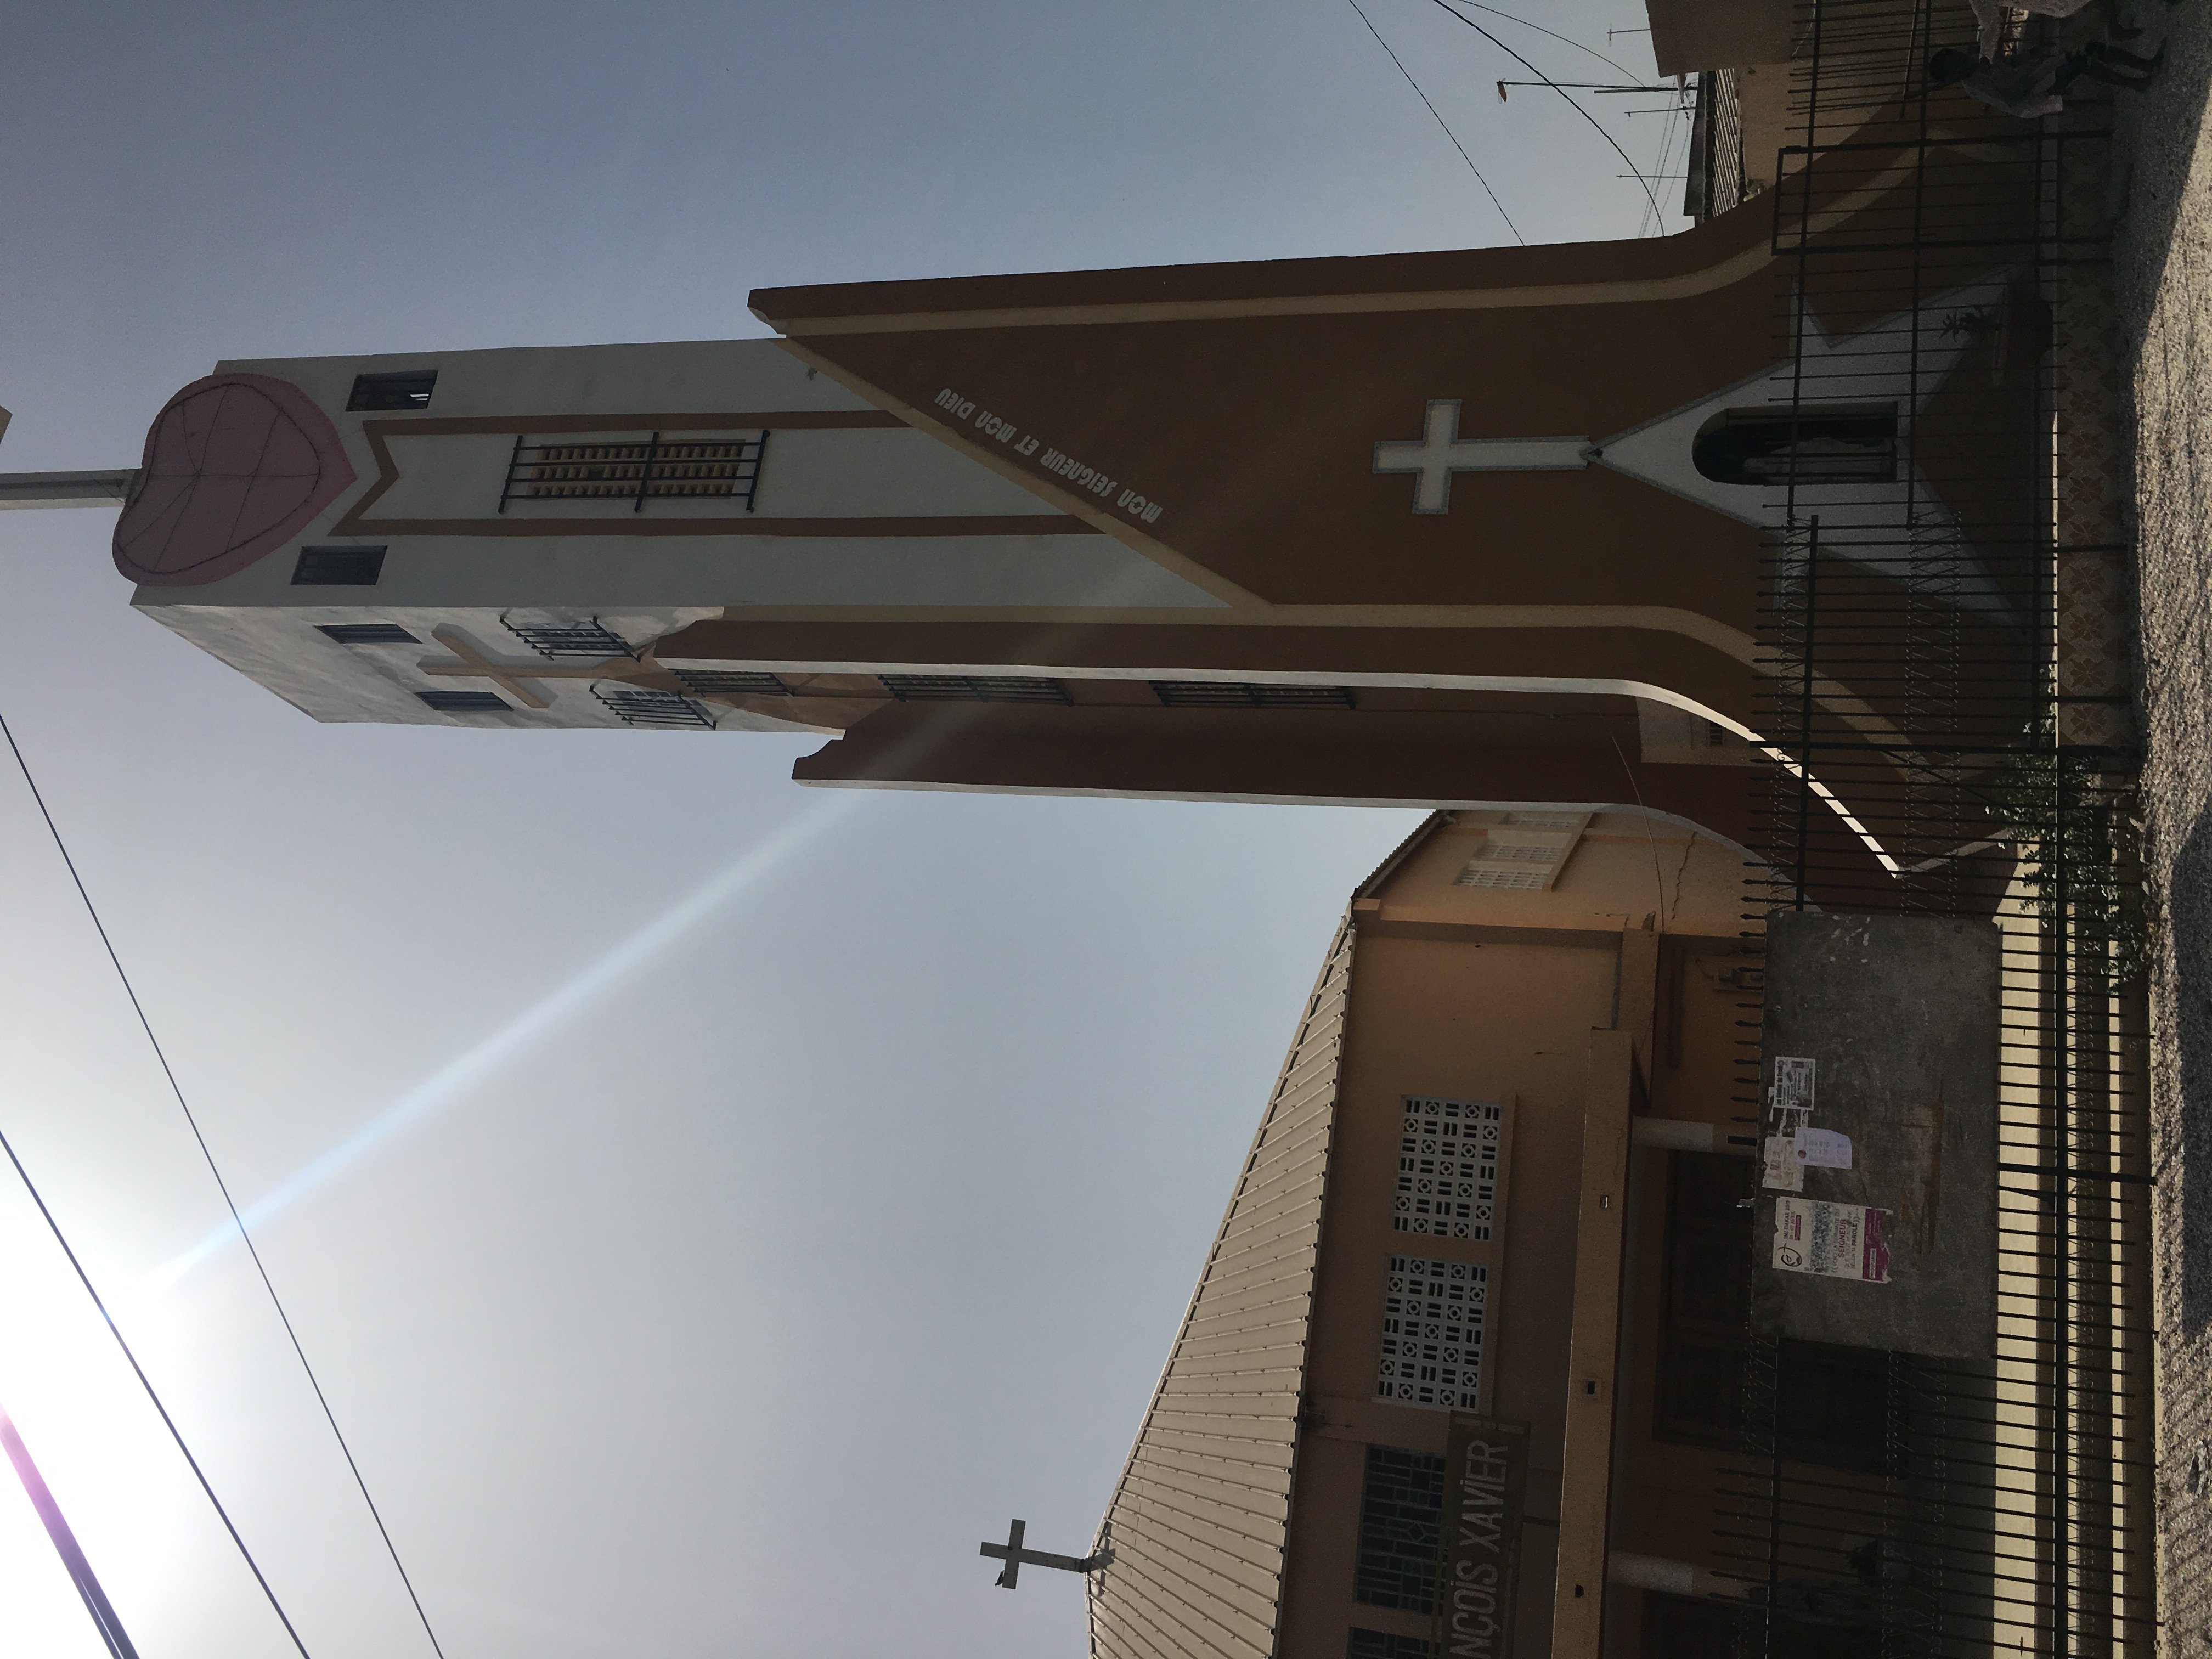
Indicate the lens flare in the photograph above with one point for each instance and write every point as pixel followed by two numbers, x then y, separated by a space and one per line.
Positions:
pixel 528 1028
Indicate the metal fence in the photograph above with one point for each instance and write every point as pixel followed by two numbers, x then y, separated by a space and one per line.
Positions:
pixel 1935 751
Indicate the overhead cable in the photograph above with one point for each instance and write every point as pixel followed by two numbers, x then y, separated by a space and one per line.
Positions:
pixel 146 1383
pixel 89 1589
pixel 1445 7
pixel 222 1186
pixel 1449 133
pixel 1540 30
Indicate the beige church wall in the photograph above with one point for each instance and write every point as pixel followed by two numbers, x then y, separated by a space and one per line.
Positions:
pixel 1505 1022
pixel 1490 995
pixel 806 473
pixel 691 377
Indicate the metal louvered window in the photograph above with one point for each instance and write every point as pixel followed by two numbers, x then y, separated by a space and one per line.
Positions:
pixel 1524 851
pixel 1381 1645
pixel 586 638
pixel 1401 1514
pixel 1232 694
pixel 367 633
pixel 466 702
pixel 974 688
pixel 338 566
pixel 408 389
pixel 658 710
pixel 750 682
pixel 655 467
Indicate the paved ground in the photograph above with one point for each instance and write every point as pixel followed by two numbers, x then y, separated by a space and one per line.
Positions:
pixel 2163 253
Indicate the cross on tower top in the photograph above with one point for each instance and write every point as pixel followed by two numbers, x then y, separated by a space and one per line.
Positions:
pixel 1015 1556
pixel 1439 451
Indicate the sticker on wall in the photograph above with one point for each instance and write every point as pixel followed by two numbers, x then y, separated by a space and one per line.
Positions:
pixel 1793 1084
pixel 1783 1173
pixel 1822 1149
pixel 1835 1240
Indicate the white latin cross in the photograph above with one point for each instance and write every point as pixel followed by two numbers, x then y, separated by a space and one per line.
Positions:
pixel 1439 451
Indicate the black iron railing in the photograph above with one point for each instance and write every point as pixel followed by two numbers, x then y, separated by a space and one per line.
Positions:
pixel 659 466
pixel 1935 746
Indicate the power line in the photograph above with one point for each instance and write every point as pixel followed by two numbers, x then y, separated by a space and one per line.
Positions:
pixel 245 1238
pixel 145 1383
pixel 1449 133
pixel 1563 39
pixel 1460 16
pixel 79 1571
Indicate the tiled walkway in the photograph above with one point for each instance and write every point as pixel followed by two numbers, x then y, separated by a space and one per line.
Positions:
pixel 2164 274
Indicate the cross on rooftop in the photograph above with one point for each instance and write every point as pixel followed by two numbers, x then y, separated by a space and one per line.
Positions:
pixel 1014 1556
pixel 1439 451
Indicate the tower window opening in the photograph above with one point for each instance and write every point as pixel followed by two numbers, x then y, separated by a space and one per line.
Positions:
pixel 1811 444
pixel 467 702
pixel 338 566
pixel 409 389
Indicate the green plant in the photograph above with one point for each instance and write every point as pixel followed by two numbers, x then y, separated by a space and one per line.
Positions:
pixel 2081 848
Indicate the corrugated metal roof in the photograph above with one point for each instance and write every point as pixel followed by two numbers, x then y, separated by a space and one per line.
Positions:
pixel 1199 1518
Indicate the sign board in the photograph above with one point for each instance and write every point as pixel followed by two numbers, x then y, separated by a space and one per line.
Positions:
pixel 1838 1241
pixel 1486 1476
pixel 1880 1186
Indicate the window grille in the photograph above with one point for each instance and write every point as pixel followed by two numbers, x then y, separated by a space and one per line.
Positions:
pixel 1232 694
pixel 750 681
pixel 367 633
pixel 1524 881
pixel 974 688
pixel 659 710
pixel 1402 1506
pixel 338 566
pixel 408 389
pixel 1524 851
pixel 635 471
pixel 1381 1645
pixel 466 702
pixel 1447 1168
pixel 1432 1334
pixel 570 639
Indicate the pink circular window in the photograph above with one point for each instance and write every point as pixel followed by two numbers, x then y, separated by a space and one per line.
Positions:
pixel 235 465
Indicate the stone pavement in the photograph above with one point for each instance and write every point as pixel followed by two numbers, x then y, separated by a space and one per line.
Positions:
pixel 2163 255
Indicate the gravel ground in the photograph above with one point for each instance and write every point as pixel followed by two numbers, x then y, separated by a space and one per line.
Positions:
pixel 2164 260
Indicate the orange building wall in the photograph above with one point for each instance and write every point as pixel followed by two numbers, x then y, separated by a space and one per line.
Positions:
pixel 1484 994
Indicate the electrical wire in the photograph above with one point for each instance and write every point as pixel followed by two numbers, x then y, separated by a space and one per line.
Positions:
pixel 1449 133
pixel 146 1383
pixel 1444 7
pixel 275 1301
pixel 1591 50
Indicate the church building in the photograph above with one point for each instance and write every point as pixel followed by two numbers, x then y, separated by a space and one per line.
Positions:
pixel 1464 1374
pixel 1429 528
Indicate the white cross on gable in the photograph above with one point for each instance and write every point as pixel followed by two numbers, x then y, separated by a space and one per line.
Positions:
pixel 1439 451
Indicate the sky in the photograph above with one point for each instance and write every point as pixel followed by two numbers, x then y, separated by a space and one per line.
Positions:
pixel 712 1206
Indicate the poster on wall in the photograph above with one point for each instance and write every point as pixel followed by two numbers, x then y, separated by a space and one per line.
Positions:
pixel 1835 1240
pixel 1485 1475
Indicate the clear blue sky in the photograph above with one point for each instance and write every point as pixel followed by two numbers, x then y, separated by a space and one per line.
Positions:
pixel 719 1306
